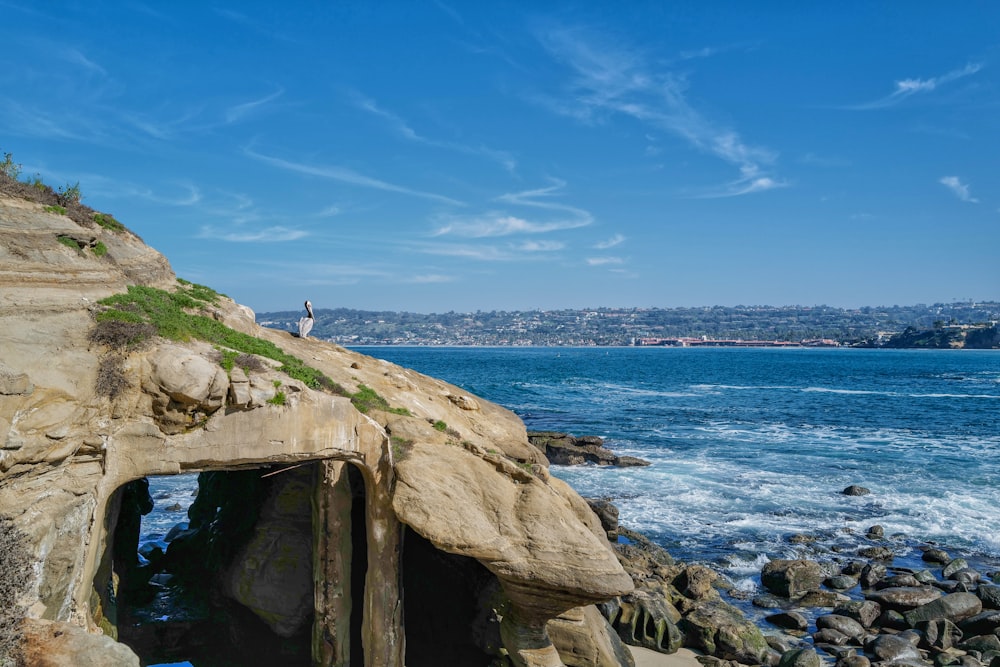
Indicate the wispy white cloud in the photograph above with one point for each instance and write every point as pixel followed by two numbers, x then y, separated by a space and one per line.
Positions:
pixel 266 235
pixel 329 212
pixel 615 240
pixel 237 112
pixel 401 127
pixel 959 189
pixel 429 278
pixel 604 261
pixel 484 253
pixel 345 175
pixel 541 246
pixel 906 88
pixel 609 80
pixel 499 223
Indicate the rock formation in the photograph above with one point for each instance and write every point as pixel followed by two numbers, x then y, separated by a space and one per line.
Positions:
pixel 329 477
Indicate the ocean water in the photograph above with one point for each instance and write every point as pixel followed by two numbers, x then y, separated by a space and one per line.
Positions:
pixel 751 446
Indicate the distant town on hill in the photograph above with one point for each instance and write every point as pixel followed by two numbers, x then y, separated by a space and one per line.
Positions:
pixel 971 324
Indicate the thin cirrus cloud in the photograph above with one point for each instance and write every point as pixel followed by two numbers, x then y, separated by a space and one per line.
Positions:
pixel 403 128
pixel 349 176
pixel 959 189
pixel 500 223
pixel 240 111
pixel 615 240
pixel 604 261
pixel 266 235
pixel 906 88
pixel 611 81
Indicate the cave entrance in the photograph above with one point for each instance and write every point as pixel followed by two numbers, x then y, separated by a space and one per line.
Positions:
pixel 451 606
pixel 217 568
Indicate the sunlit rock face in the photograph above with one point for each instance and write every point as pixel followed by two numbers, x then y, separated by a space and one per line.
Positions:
pixel 324 552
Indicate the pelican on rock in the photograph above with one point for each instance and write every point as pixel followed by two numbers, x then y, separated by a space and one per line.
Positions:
pixel 306 323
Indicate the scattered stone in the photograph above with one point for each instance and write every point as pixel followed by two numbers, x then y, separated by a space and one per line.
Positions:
pixel 855 490
pixel 876 553
pixel 791 578
pixel 904 599
pixel 893 648
pixel 842 624
pixel 841 582
pixel 854 661
pixel 802 657
pixel 871 574
pixel 789 620
pixel 933 555
pixel 875 532
pixel 954 566
pixel 990 595
pixel 865 612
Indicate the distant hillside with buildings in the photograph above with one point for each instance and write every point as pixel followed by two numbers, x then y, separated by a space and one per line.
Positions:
pixel 773 325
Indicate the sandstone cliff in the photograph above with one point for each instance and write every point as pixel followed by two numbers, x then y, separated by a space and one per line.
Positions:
pixel 82 417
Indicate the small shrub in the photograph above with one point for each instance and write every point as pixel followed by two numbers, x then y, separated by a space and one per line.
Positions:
pixel 10 169
pixel 440 426
pixel 100 249
pixel 249 362
pixel 37 183
pixel 15 579
pixel 71 193
pixel 108 221
pixel 226 359
pixel 121 335
pixel 111 378
pixel 400 448
pixel 59 210
pixel 279 398
pixel 69 242
pixel 276 383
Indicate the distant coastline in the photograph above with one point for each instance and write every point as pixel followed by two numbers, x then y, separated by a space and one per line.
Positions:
pixel 938 326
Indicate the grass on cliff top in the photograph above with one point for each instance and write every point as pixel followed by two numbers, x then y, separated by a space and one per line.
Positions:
pixel 168 313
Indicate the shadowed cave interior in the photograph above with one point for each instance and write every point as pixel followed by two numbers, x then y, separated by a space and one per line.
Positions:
pixel 233 585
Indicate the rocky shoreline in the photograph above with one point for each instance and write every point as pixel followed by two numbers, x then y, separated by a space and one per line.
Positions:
pixel 854 610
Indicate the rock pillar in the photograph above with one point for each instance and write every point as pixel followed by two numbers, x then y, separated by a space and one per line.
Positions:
pixel 332 566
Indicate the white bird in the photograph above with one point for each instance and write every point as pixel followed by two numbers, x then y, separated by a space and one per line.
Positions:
pixel 306 323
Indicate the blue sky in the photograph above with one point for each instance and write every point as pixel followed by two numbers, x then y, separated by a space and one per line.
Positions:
pixel 437 156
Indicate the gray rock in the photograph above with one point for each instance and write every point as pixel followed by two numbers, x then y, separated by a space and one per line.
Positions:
pixel 933 555
pixel 830 636
pixel 789 620
pixel 791 578
pixel 981 624
pixel 855 490
pixel 864 612
pixel 954 566
pixel 981 643
pixel 841 582
pixel 893 648
pixel 990 595
pixel 871 574
pixel 843 624
pixel 940 634
pixel 875 532
pixel 854 661
pixel 801 657
pixel 904 599
pixel 955 607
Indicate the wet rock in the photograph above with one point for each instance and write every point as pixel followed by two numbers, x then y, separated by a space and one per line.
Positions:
pixel 855 490
pixel 564 449
pixel 875 532
pixel 933 555
pixel 981 643
pixel 876 553
pixel 802 657
pixel 954 566
pixel 865 612
pixel 893 648
pixel 649 621
pixel 954 607
pixel 822 599
pixel 830 636
pixel 904 599
pixel 982 623
pixel 853 661
pixel 696 581
pixel 939 635
pixel 925 577
pixel 842 624
pixel 791 578
pixel 789 620
pixel 769 601
pixel 608 514
pixel 721 630
pixel 871 574
pixel 841 582
pixel 990 595
pixel 900 581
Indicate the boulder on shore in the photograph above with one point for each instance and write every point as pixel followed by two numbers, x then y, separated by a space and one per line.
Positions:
pixel 565 449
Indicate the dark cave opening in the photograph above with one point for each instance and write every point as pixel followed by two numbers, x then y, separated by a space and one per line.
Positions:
pixel 450 607
pixel 230 586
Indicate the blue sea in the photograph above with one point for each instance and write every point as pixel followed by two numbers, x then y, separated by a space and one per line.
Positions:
pixel 751 446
